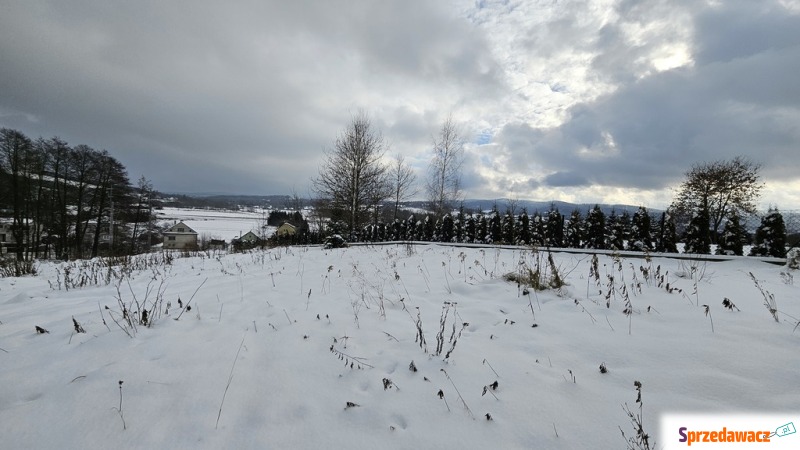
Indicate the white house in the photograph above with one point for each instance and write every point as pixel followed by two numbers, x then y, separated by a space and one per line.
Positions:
pixel 180 237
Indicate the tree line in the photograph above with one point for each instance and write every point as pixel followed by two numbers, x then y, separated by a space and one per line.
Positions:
pixel 354 183
pixel 641 231
pixel 68 201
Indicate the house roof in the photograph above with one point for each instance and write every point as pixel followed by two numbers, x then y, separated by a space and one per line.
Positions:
pixel 174 229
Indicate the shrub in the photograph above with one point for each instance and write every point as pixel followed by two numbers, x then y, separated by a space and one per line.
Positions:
pixel 667 239
pixel 732 238
pixel 698 240
pixel 770 237
pixel 640 239
pixel 16 268
pixel 595 229
pixel 335 241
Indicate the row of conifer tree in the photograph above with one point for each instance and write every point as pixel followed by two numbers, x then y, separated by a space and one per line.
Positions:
pixel 596 230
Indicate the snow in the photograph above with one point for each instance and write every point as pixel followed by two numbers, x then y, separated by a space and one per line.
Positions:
pixel 257 344
pixel 218 224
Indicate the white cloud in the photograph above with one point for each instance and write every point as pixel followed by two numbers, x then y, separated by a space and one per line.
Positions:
pixel 595 100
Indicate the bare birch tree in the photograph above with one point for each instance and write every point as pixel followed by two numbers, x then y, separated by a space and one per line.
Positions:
pixel 353 177
pixel 403 180
pixel 444 172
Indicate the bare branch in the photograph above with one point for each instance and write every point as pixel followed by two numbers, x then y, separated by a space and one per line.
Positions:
pixel 444 172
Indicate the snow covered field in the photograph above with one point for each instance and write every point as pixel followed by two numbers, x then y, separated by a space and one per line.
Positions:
pixel 216 224
pixel 278 343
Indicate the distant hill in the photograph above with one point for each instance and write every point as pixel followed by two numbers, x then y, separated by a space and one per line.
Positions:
pixel 201 200
pixel 227 201
pixel 542 207
pixel 532 207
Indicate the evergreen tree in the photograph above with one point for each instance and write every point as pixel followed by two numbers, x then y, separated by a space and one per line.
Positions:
pixel 595 228
pixel 394 230
pixel 524 229
pixel 615 232
pixel 448 228
pixel 508 230
pixel 554 228
pixel 537 230
pixel 640 238
pixel 469 229
pixel 770 239
pixel 574 230
pixel 626 224
pixel 437 230
pixel 411 228
pixel 382 232
pixel 733 237
pixel 428 229
pixel 698 239
pixel 419 230
pixel 459 225
pixel 495 228
pixel 667 236
pixel 373 233
pixel 482 230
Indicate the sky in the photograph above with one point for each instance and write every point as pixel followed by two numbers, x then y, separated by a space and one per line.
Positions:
pixel 608 101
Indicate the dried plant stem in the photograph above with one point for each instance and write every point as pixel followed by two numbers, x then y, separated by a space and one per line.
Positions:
pixel 359 360
pixel 120 325
pixel 463 402
pixel 447 282
pixel 190 299
pixel 230 378
pixel 485 361
pixel 390 336
pixel 287 317
pixel 708 313
pixel 119 410
pixel 609 323
pixel 102 316
pixel 445 403
pixel 530 303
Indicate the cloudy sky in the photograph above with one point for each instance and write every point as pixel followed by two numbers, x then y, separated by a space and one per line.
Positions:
pixel 582 101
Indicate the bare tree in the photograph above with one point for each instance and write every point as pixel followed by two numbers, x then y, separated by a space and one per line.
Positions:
pixel 111 186
pixel 16 150
pixel 353 177
pixel 444 172
pixel 403 180
pixel 262 227
pixel 719 189
pixel 143 199
pixel 512 204
pixel 294 201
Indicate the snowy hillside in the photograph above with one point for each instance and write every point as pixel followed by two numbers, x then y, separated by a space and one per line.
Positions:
pixel 312 348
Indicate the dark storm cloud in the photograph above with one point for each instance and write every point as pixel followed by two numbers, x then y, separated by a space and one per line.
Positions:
pixel 740 29
pixel 573 95
pixel 565 179
pixel 237 97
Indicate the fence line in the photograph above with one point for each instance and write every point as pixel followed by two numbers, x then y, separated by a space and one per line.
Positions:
pixel 586 251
